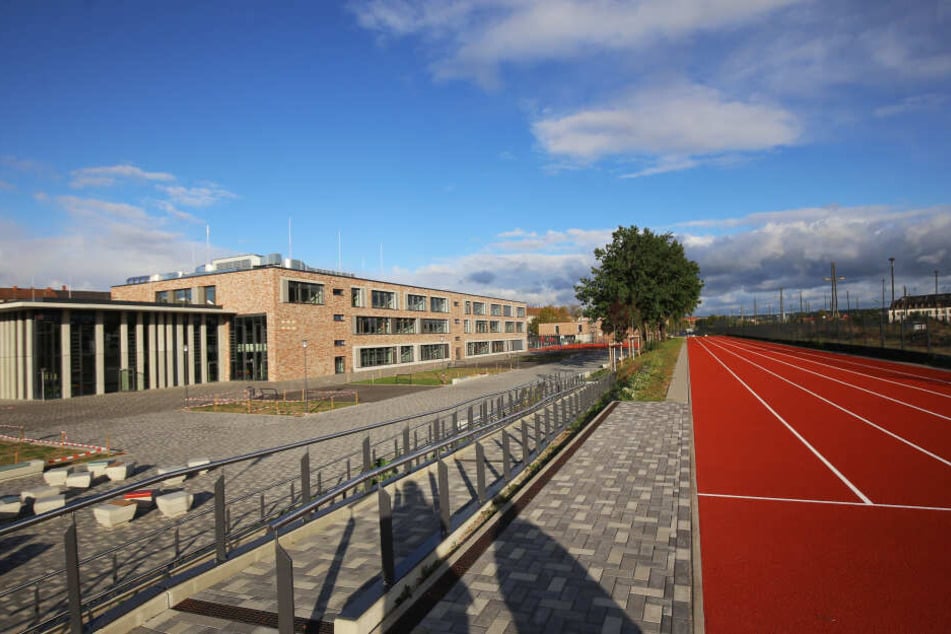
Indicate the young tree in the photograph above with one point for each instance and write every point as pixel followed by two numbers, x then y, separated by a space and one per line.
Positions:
pixel 643 280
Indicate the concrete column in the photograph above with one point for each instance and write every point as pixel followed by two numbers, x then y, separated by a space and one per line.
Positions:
pixel 18 355
pixel 204 350
pixel 224 352
pixel 140 348
pixel 7 367
pixel 152 340
pixel 160 352
pixel 66 372
pixel 190 357
pixel 171 371
pixel 100 354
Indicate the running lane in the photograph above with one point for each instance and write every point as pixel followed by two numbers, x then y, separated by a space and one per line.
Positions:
pixel 793 538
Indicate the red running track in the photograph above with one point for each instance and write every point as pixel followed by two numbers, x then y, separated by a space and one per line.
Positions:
pixel 824 485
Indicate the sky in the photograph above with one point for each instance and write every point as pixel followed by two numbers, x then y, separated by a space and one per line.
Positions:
pixel 486 146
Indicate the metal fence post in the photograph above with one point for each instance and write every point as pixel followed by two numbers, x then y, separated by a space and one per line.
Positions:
pixel 408 466
pixel 525 449
pixel 367 461
pixel 221 521
pixel 471 423
pixel 73 589
pixel 386 538
pixel 480 472
pixel 538 435
pixel 445 516
pixel 506 456
pixel 285 589
pixel 305 477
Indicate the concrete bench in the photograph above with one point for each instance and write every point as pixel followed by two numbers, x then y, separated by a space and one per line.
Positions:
pixel 10 506
pixel 56 477
pixel 197 462
pixel 171 481
pixel 79 479
pixel 118 471
pixel 174 504
pixel 39 492
pixel 21 469
pixel 98 467
pixel 114 512
pixel 48 503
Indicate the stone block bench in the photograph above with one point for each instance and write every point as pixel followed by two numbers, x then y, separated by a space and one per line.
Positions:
pixel 79 479
pixel 114 512
pixel 174 504
pixel 10 506
pixel 98 467
pixel 171 481
pixel 56 477
pixel 197 462
pixel 118 471
pixel 21 469
pixel 48 502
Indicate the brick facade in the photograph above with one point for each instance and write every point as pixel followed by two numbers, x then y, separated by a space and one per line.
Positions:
pixel 330 325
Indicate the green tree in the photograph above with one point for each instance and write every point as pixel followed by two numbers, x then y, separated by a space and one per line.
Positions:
pixel 643 280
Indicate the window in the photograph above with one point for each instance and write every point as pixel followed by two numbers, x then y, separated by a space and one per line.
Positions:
pixel 519 326
pixel 340 366
pixel 338 292
pixel 384 299
pixel 356 297
pixel 495 326
pixel 416 302
pixel 210 295
pixel 507 310
pixel 433 351
pixel 304 292
pixel 434 326
pixel 474 348
pixel 404 326
pixel 482 325
pixel 496 310
pixel 438 305
pixel 183 296
pixel 373 326
pixel 510 326
pixel 161 297
pixel 406 354
pixel 520 311
pixel 468 307
pixel 478 308
pixel 338 317
pixel 467 326
pixel 339 342
pixel 498 346
pixel 370 357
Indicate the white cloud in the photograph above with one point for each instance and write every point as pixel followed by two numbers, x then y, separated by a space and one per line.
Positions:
pixel 91 209
pixel 109 176
pixel 673 122
pixel 203 196
pixel 913 104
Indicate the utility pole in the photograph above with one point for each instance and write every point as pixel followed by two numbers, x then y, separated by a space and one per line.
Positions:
pixel 881 324
pixel 782 313
pixel 834 307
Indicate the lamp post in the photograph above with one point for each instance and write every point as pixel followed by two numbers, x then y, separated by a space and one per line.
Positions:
pixel 303 345
pixel 185 374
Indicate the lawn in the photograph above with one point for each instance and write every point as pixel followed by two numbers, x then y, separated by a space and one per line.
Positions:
pixel 647 377
pixel 14 452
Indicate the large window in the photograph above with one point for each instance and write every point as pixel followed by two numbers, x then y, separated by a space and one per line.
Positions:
pixel 161 297
pixel 482 325
pixel 498 346
pixel 438 305
pixel 249 348
pixel 373 326
pixel 210 295
pixel 496 310
pixel 384 299
pixel 478 308
pixel 370 357
pixel 405 326
pixel 520 311
pixel 183 296
pixel 406 354
pixel 507 310
pixel 304 292
pixel 434 326
pixel 433 351
pixel 520 326
pixel 416 302
pixel 475 348
pixel 494 326
pixel 510 326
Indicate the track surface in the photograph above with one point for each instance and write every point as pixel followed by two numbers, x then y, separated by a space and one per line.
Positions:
pixel 824 484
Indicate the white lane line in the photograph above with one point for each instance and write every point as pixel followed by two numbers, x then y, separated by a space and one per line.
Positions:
pixel 759 498
pixel 870 376
pixel 839 407
pixel 795 433
pixel 845 383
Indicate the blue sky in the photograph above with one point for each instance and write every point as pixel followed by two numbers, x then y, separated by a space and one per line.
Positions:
pixel 480 145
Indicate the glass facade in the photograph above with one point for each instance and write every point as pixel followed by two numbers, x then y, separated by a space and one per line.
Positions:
pixel 249 348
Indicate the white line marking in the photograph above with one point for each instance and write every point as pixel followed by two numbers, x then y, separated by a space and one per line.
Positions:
pixel 839 407
pixel 795 433
pixel 869 376
pixel 830 502
pixel 854 387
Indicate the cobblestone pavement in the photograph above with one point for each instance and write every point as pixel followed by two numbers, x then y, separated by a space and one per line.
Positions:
pixel 152 430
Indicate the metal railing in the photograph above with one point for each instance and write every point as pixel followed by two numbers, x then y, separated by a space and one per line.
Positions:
pixel 84 588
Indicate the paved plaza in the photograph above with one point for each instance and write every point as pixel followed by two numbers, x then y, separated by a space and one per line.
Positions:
pixel 603 545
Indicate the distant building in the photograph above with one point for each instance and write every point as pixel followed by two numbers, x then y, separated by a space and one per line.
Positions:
pixel 935 306
pixel 565 332
pixel 249 317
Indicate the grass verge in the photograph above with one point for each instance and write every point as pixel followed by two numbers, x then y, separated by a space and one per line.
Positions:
pixel 647 377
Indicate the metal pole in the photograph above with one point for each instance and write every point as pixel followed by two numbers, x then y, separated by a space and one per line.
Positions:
pixel 445 515
pixel 306 396
pixel 72 580
pixel 386 539
pixel 221 529
pixel 285 589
